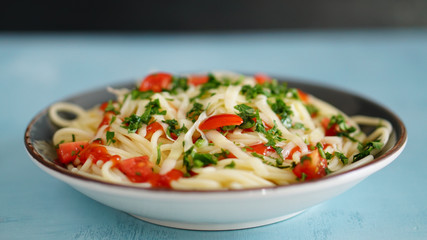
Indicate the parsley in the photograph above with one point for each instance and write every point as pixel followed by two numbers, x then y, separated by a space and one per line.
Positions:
pixel 193 159
pixel 298 126
pixel 110 108
pixel 303 177
pixel 230 165
pixel 283 111
pixel 195 111
pixel 173 128
pixel 179 83
pixel 342 157
pixel 320 149
pixel 366 149
pixel 222 154
pixel 113 119
pixel 247 114
pixel 344 129
pixel 136 94
pixel 159 154
pixel 312 110
pixel 251 92
pixel 73 137
pixel 134 122
pixel 57 145
pixel 110 137
pixel 212 83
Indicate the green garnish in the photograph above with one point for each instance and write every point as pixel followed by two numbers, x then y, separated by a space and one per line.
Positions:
pixel 110 108
pixel 195 111
pixel 173 128
pixel 366 149
pixel 179 83
pixel 344 129
pixel 159 155
pixel 134 122
pixel 110 137
pixel 283 111
pixel 230 165
pixel 136 94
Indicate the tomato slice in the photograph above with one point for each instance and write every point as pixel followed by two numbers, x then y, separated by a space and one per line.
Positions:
pixel 312 165
pixel 291 153
pixel 164 181
pixel 303 96
pixel 97 152
pixel 106 119
pixel 260 149
pixel 261 78
pixel 196 80
pixel 329 131
pixel 68 152
pixel 156 82
pixel 152 128
pixel 220 120
pixel 137 169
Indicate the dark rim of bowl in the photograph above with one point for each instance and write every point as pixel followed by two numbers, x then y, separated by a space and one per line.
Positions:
pixel 55 167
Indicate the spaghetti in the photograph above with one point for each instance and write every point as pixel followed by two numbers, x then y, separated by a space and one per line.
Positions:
pixel 213 131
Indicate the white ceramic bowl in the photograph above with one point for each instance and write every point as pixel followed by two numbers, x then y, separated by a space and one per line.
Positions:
pixel 220 210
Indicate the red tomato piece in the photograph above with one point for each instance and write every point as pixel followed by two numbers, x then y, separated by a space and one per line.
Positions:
pixel 164 180
pixel 303 96
pixel 196 80
pixel 220 120
pixel 312 165
pixel 261 149
pixel 156 82
pixel 137 169
pixel 68 152
pixel 291 153
pixel 103 106
pixel 152 128
pixel 106 119
pixel 261 78
pixel 329 131
pixel 96 152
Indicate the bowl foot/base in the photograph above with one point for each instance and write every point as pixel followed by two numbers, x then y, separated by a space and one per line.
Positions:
pixel 216 226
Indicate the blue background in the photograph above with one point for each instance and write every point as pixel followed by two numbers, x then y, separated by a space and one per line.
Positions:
pixel 387 66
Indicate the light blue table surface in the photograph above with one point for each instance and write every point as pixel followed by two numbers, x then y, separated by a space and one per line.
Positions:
pixel 387 66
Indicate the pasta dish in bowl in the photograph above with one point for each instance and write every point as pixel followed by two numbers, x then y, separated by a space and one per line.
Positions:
pixel 173 141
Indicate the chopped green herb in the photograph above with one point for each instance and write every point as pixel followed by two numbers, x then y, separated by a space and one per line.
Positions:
pixel 212 83
pixel 73 137
pixel 193 159
pixel 312 110
pixel 344 129
pixel 159 154
pixel 179 83
pixel 320 149
pixel 283 111
pixel 342 157
pixel 222 154
pixel 136 94
pixel 110 108
pixel 298 126
pixel 110 137
pixel 195 111
pixel 247 114
pixel 173 128
pixel 113 119
pixel 366 149
pixel 57 145
pixel 230 165
pixel 303 177
pixel 134 122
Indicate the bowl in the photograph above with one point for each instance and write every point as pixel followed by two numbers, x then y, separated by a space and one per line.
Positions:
pixel 225 209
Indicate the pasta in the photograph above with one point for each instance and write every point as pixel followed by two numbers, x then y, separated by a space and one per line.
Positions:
pixel 212 131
